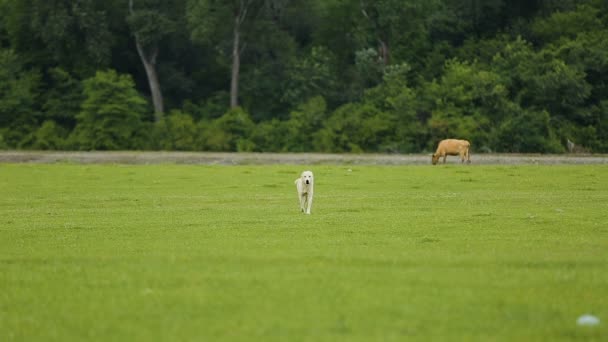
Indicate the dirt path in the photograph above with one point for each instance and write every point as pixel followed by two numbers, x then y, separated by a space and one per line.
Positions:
pixel 211 158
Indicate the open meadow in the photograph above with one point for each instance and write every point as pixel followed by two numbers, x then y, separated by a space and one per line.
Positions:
pixel 171 252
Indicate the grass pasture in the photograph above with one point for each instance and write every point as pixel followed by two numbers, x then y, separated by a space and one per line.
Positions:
pixel 390 253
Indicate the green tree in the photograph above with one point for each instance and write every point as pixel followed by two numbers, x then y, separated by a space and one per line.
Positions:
pixel 466 103
pixel 527 132
pixel 206 18
pixel 268 61
pixel 394 23
pixel 49 33
pixel 111 113
pixel 566 24
pixel 151 22
pixel 540 81
pixel 395 96
pixel 62 101
pixel 18 100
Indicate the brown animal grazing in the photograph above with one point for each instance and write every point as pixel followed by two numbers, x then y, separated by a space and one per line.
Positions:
pixel 452 147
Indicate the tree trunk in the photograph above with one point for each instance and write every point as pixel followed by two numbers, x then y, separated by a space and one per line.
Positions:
pixel 149 62
pixel 383 47
pixel 384 52
pixel 157 96
pixel 236 65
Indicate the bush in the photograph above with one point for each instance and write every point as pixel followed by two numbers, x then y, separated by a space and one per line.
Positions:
pixel 176 132
pixel 527 132
pixel 111 113
pixel 356 128
pixel 49 136
pixel 270 136
pixel 303 123
pixel 3 144
pixel 230 132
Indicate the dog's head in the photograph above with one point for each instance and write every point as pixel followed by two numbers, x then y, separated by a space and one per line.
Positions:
pixel 307 177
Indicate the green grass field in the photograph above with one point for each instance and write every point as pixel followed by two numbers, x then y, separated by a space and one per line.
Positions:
pixel 390 253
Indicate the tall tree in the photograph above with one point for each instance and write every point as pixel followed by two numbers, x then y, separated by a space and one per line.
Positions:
pixel 205 18
pixel 150 23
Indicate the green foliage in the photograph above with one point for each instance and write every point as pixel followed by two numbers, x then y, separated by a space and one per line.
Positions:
pixel 527 132
pixel 587 52
pixel 356 128
pixel 271 136
pixel 400 104
pixel 230 132
pixel 537 79
pixel 309 77
pixel 399 25
pixel 602 127
pixel 111 113
pixel 473 18
pixel 567 25
pixel 465 102
pixel 18 99
pixel 176 132
pixel 49 136
pixel 265 83
pixel 149 24
pixel 352 75
pixel 205 18
pixel 369 67
pixel 3 144
pixel 73 35
pixel 303 123
pixel 212 108
pixel 62 103
pixel 552 80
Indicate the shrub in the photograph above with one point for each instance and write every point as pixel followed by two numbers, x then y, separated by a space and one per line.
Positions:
pixel 230 132
pixel 49 136
pixel 176 132
pixel 111 113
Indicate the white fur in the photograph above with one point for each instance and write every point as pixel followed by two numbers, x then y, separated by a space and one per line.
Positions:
pixel 305 185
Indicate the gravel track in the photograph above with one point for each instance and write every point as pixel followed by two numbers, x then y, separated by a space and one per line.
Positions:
pixel 212 158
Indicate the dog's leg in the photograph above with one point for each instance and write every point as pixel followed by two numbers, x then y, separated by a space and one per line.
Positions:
pixel 300 194
pixel 308 202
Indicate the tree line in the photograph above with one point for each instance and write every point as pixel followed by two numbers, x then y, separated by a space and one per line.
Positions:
pixel 388 76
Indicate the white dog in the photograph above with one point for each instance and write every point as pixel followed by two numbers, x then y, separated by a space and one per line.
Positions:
pixel 305 185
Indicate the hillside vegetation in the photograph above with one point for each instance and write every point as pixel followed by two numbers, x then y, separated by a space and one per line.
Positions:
pixel 304 75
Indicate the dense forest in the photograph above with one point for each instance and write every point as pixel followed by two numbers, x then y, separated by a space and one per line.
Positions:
pixel 389 76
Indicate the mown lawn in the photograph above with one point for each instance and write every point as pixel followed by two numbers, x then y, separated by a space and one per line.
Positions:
pixel 221 253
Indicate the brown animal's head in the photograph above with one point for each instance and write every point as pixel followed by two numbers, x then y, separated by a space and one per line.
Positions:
pixel 434 159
